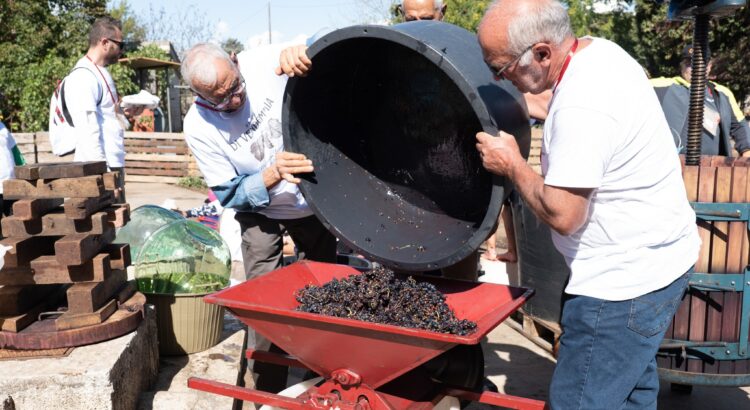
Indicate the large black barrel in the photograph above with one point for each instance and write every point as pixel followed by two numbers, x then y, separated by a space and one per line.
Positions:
pixel 389 116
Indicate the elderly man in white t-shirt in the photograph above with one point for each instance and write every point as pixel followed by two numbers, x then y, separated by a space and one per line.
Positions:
pixel 234 131
pixel 611 191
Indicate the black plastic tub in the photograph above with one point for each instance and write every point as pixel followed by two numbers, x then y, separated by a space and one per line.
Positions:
pixel 389 117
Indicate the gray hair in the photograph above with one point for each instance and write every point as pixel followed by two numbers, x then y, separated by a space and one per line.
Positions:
pixel 198 63
pixel 538 22
pixel 436 4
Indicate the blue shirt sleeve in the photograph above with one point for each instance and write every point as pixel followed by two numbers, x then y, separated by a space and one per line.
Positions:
pixel 243 193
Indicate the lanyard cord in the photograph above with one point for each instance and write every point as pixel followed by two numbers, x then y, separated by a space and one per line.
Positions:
pixel 111 95
pixel 565 64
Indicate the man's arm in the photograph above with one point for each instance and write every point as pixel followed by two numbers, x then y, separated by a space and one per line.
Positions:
pixel 564 209
pixel 249 193
pixel 739 130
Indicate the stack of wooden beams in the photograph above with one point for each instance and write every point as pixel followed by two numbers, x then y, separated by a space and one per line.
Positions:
pixel 61 231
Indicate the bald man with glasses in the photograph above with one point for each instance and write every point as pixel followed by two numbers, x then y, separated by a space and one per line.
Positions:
pixel 233 130
pixel 414 10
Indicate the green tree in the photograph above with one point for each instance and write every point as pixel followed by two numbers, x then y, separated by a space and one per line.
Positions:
pixel 463 13
pixel 39 43
pixel 466 13
pixel 232 45
pixel 133 30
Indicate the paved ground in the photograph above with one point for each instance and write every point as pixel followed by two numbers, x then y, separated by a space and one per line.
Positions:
pixel 516 365
pixel 141 193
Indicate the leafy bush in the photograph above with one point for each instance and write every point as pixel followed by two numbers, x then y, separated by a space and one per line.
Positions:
pixel 196 183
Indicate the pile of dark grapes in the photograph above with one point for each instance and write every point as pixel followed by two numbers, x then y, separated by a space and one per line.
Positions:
pixel 379 296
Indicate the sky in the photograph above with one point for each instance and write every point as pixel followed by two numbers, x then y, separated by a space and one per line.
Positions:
pixel 291 20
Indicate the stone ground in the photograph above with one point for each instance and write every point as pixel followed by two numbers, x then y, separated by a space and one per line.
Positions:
pixel 515 364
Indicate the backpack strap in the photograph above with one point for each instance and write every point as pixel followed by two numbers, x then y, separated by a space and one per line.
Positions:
pixel 65 112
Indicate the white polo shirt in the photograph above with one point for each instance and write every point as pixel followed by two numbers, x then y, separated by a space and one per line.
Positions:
pixel 244 142
pixel 607 131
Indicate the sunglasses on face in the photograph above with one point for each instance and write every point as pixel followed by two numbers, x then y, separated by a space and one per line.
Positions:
pixel 120 44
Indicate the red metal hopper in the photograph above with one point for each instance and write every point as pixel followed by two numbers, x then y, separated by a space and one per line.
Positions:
pixel 349 352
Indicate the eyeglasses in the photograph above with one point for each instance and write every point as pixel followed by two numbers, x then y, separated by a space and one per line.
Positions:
pixel 120 44
pixel 237 92
pixel 499 71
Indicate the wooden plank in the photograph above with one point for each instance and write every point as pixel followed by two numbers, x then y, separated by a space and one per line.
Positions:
pixel 81 208
pixel 43 157
pixel 78 248
pixel 159 150
pixel 18 322
pixel 743 366
pixel 27 150
pixel 15 300
pixel 45 270
pixel 55 224
pixel 119 255
pixel 110 180
pixel 60 170
pixel 43 335
pixel 23 137
pixel 90 296
pixel 151 179
pixel 153 164
pixel 156 171
pixel 24 250
pixel 698 304
pixel 154 135
pixel 28 209
pixel 720 235
pixel 735 231
pixel 131 142
pixel 681 323
pixel 118 215
pixel 156 157
pixel 715 248
pixel 90 186
pixel 71 320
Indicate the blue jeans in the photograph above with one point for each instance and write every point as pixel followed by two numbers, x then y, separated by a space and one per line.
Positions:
pixel 607 356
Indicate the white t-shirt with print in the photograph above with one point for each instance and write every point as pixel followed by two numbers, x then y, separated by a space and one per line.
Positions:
pixel 7 162
pixel 92 108
pixel 245 142
pixel 607 131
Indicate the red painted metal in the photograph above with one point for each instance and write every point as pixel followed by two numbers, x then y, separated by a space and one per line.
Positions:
pixel 355 357
pixel 498 399
pixel 377 353
pixel 251 395
pixel 273 358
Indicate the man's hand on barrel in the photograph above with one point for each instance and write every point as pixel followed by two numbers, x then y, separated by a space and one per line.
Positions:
pixel 500 155
pixel 287 164
pixel 294 61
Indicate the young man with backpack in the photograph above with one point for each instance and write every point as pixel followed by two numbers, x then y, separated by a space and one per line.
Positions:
pixel 85 105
